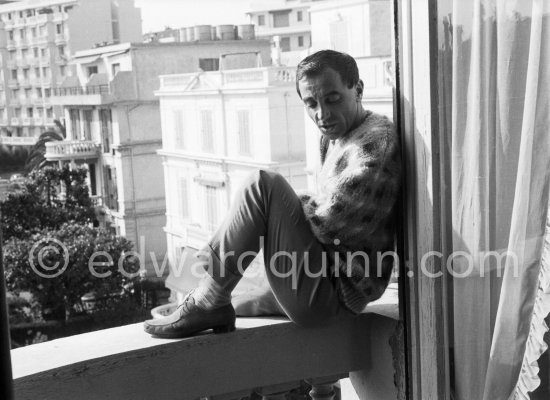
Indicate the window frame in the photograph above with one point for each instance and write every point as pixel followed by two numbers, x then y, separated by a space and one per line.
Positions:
pixel 420 118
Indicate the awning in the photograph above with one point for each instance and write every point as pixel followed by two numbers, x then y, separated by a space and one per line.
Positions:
pixel 84 60
pixel 116 53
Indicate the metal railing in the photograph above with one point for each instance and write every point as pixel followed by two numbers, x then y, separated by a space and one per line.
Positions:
pixel 79 90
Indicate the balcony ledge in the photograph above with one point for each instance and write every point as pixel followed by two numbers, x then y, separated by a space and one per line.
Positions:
pixel 127 363
pixel 72 150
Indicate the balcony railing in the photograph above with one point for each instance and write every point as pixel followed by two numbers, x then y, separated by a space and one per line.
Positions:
pixel 14 121
pixel 18 22
pixel 41 18
pixel 60 38
pixel 265 76
pixel 18 140
pixel 81 91
pixel 26 121
pixel 71 149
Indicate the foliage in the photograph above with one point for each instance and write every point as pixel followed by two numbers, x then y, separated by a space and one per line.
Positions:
pixel 40 205
pixel 12 158
pixel 37 156
pixel 32 264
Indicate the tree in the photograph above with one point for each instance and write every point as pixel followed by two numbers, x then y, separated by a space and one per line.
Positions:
pixel 40 205
pixel 54 266
pixel 37 156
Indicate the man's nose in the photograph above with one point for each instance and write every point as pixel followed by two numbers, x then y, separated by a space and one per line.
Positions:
pixel 322 112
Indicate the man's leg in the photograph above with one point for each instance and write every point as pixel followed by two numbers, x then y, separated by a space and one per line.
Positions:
pixel 268 213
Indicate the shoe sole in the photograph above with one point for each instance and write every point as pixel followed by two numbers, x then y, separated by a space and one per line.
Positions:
pixel 175 335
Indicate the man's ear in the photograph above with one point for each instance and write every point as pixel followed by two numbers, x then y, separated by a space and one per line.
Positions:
pixel 359 89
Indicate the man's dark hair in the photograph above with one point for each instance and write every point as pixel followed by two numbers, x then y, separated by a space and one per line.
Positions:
pixel 316 63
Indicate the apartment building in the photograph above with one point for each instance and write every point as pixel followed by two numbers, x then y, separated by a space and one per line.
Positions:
pixel 287 24
pixel 37 39
pixel 218 127
pixel 113 126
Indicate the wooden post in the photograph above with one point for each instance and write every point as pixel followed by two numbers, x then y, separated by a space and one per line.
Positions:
pixel 6 390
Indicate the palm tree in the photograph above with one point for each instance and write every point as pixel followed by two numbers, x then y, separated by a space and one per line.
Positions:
pixel 37 156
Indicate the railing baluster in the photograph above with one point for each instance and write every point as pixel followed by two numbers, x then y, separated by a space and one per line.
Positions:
pixel 277 392
pixel 322 392
pixel 323 388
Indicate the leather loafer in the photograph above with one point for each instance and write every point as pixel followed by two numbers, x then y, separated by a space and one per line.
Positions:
pixel 188 319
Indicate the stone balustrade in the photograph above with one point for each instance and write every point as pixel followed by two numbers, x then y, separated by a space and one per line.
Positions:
pixel 72 149
pixel 264 76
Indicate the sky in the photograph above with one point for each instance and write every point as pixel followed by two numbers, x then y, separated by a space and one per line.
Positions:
pixel 157 14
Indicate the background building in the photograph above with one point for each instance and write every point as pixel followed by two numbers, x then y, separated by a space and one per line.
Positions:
pixel 37 39
pixel 113 125
pixel 287 24
pixel 218 127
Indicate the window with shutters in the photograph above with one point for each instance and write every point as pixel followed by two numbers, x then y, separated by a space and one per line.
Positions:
pixel 106 129
pixel 75 123
pixel 183 206
pixel 281 19
pixel 285 44
pixel 243 132
pixel 211 197
pixel 207 132
pixel 179 140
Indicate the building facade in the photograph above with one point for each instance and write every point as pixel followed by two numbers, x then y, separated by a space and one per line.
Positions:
pixel 37 39
pixel 113 126
pixel 218 127
pixel 287 24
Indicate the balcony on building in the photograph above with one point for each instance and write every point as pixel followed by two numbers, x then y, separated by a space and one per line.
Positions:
pixel 15 121
pixel 241 78
pixel 72 150
pixel 60 39
pixel 12 83
pixel 19 22
pixel 97 91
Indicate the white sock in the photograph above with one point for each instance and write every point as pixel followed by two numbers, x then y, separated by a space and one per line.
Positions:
pixel 209 294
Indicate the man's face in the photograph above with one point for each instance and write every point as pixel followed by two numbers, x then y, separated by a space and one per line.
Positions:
pixel 333 106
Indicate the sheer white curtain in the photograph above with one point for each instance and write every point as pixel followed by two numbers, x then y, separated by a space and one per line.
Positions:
pixel 500 168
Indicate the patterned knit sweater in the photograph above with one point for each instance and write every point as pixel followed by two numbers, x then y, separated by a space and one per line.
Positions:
pixel 353 212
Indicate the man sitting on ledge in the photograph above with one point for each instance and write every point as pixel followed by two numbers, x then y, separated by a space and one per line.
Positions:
pixel 321 252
